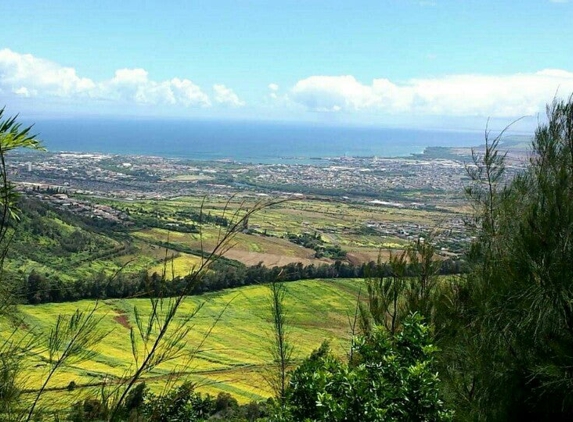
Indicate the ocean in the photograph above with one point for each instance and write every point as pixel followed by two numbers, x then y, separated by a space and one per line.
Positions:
pixel 251 142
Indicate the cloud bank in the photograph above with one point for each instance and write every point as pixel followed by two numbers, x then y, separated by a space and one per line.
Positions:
pixel 465 95
pixel 457 95
pixel 24 75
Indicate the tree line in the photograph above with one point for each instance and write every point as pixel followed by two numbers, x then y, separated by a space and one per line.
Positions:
pixel 37 288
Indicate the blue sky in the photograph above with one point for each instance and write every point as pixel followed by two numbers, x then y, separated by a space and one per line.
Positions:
pixel 447 64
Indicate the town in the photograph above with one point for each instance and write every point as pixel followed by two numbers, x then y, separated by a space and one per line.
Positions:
pixel 427 183
pixel 389 180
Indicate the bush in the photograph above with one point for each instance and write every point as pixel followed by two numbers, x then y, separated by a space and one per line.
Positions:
pixel 182 404
pixel 390 378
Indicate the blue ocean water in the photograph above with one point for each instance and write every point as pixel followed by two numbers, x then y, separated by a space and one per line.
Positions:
pixel 251 142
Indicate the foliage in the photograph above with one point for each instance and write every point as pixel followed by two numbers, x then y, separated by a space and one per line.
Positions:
pixel 407 283
pixel 181 404
pixel 391 378
pixel 87 410
pixel 281 346
pixel 13 346
pixel 42 287
pixel 507 347
pixel 315 242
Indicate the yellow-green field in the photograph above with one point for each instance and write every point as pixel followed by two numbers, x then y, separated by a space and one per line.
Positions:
pixel 303 214
pixel 176 265
pixel 232 358
pixel 246 248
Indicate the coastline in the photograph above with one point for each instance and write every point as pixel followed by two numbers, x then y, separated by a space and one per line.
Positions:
pixel 242 142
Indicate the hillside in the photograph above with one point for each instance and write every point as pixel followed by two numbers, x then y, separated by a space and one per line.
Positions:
pixel 56 239
pixel 233 356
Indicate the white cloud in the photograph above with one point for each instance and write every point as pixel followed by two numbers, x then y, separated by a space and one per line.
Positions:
pixel 333 93
pixel 515 95
pixel 134 85
pixel 274 93
pixel 187 93
pixel 226 96
pixel 24 75
pixel 457 95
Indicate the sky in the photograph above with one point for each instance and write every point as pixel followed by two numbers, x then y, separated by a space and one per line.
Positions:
pixel 408 63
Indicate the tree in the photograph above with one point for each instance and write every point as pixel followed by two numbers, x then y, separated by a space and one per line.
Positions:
pixel 512 320
pixel 181 404
pixel 390 378
pixel 281 348
pixel 407 283
pixel 12 136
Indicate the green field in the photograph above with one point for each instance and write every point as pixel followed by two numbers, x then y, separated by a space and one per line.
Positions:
pixel 233 357
pixel 338 223
pixel 62 245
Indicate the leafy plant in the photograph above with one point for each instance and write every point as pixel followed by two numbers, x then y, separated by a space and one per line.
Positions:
pixel 14 346
pixel 391 378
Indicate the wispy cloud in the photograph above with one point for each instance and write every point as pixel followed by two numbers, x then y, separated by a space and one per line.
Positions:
pixel 456 95
pixel 24 75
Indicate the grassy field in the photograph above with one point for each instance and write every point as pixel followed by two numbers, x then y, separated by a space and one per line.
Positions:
pixel 246 248
pixel 232 358
pixel 338 223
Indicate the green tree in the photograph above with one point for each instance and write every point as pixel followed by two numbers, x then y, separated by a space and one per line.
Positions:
pixel 281 348
pixel 391 378
pixel 12 136
pixel 511 332
pixel 182 404
pixel 407 283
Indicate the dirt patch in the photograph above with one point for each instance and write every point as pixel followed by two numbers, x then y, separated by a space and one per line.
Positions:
pixel 358 258
pixel 271 260
pixel 365 256
pixel 121 319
